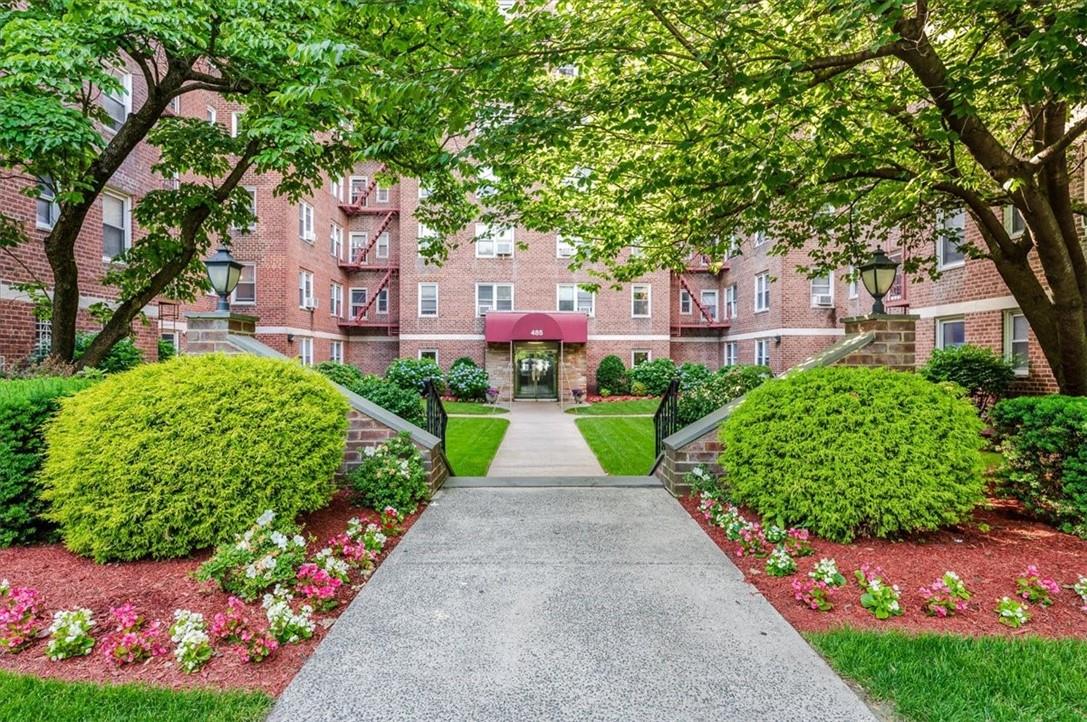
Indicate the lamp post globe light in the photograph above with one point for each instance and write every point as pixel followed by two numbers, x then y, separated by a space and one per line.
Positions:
pixel 224 273
pixel 878 276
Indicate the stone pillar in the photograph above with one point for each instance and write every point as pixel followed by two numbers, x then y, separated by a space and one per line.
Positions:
pixel 894 345
pixel 208 331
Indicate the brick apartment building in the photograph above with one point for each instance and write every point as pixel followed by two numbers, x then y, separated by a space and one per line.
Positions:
pixel 338 276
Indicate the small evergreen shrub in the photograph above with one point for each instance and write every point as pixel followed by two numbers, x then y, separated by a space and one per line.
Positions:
pixel 166 350
pixel 727 384
pixel 849 452
pixel 985 375
pixel 410 374
pixel 638 389
pixel 405 403
pixel 464 361
pixel 692 375
pixel 123 356
pixel 654 375
pixel 338 373
pixel 391 475
pixel 468 383
pixel 1044 441
pixel 25 407
pixel 611 374
pixel 169 458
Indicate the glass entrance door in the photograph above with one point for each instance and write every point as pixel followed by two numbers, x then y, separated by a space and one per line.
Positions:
pixel 535 370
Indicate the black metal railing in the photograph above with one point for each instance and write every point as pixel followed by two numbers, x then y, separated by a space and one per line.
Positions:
pixel 666 420
pixel 436 418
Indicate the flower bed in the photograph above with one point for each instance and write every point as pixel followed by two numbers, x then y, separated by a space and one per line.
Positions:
pixel 989 555
pixel 155 590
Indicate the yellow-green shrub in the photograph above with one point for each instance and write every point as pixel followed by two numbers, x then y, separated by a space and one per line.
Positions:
pixel 177 456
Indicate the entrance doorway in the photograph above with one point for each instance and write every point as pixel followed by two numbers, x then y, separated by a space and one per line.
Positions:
pixel 535 370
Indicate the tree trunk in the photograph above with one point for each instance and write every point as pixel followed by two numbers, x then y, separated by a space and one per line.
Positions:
pixel 65 306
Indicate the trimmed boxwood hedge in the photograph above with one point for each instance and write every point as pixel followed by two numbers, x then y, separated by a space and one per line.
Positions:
pixel 850 452
pixel 173 457
pixel 405 403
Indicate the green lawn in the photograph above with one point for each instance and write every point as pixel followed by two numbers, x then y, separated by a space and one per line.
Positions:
pixel 622 444
pixel 472 443
pixel 469 407
pixel 612 408
pixel 30 699
pixel 932 678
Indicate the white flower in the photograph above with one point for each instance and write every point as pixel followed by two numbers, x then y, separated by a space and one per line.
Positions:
pixel 279 539
pixel 369 451
pixel 298 540
pixel 266 518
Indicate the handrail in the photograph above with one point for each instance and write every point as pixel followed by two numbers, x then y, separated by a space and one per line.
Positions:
pixel 436 417
pixel 666 418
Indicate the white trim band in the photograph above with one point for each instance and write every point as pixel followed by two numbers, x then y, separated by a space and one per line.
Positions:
pixel 770 333
pixel 984 305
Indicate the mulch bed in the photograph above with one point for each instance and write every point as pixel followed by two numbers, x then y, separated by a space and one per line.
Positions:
pixel 156 589
pixel 988 562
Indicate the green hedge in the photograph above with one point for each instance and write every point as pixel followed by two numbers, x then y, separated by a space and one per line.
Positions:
pixel 729 383
pixel 173 457
pixel 25 408
pixel 692 375
pixel 855 451
pixel 654 376
pixel 410 374
pixel 985 375
pixel 611 376
pixel 405 403
pixel 468 382
pixel 1044 440
pixel 121 357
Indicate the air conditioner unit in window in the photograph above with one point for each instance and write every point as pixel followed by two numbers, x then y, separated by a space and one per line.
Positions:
pixel 823 300
pixel 311 305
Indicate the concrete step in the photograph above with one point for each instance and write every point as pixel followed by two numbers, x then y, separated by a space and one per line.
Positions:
pixel 510 482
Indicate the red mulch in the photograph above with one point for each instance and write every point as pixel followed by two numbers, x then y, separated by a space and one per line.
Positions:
pixel 988 562
pixel 594 399
pixel 156 589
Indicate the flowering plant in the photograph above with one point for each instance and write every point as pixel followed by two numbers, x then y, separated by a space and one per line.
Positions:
pixel 253 645
pixel 336 567
pixel 70 634
pixel 286 625
pixel 350 552
pixel 192 646
pixel 881 599
pixel 318 586
pixel 826 571
pixel 752 541
pixel 814 593
pixel 733 522
pixel 775 534
pixel 780 564
pixel 1012 612
pixel 945 596
pixel 1035 589
pixel 798 543
pixel 392 521
pixel 371 536
pixel 20 616
pixel 132 639
pixel 1080 588
pixel 264 555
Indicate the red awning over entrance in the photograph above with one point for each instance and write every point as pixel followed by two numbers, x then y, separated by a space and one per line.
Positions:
pixel 500 327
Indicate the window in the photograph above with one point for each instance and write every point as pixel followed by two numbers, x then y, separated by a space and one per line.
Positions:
pixel 492 242
pixel 246 290
pixel 383 245
pixel 760 238
pixel 305 222
pixel 762 352
pixel 43 336
pixel 211 115
pixel 730 353
pixel 383 301
pixel 425 237
pixel 685 302
pixel 358 243
pixel 1017 342
pixel 357 298
pixel 733 248
pixel 48 209
pixel 116 225
pixel 563 248
pixel 337 188
pixel 822 291
pixel 950 332
pixel 169 337
pixel 898 288
pixel 639 300
pixel 118 103
pixel 335 351
pixel 574 298
pixel 566 71
pixel 636 251
pixel 335 240
pixel 335 300
pixel 853 282
pixel 175 104
pixel 708 299
pixel 487 179
pixel 638 356
pixel 424 192
pixel 730 301
pixel 428 300
pixel 305 290
pixel 1014 221
pixel 382 194
pixel 358 188
pixel 235 123
pixel 506 6
pixel 493 297
pixel 951 236
pixel 305 350
pixel 252 193
pixel 428 353
pixel 762 292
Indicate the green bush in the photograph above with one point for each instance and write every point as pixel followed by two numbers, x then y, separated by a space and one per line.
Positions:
pixel 25 407
pixel 169 458
pixel 729 383
pixel 410 374
pixel 338 373
pixel 391 475
pixel 850 451
pixel 611 374
pixel 468 383
pixel 985 375
pixel 123 356
pixel 692 375
pixel 1044 440
pixel 464 361
pixel 638 389
pixel 406 404
pixel 166 350
pixel 655 375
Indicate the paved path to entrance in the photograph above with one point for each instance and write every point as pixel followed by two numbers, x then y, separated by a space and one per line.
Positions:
pixel 562 604
pixel 543 441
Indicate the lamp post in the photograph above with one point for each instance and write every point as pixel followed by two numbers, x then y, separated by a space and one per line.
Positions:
pixel 224 273
pixel 878 276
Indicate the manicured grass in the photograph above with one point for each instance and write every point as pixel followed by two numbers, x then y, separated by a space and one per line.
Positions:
pixel 472 444
pixel 622 444
pixel 613 408
pixel 932 678
pixel 469 407
pixel 39 700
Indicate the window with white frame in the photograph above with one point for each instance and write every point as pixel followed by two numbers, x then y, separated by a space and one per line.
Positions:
pixel 118 102
pixel 636 250
pixel 358 186
pixel 211 115
pixel 335 240
pixel 357 298
pixel 762 292
pixel 305 222
pixel 950 332
pixel 564 246
pixel 424 192
pixel 730 353
pixel 235 123
pixel 306 299
pixel 428 300
pixel 762 352
pixel 853 280
pixel 382 302
pixel 245 293
pixel 357 243
pixel 1017 342
pixel 950 238
pixel 175 104
pixel 116 225
pixel 761 238
pixel 730 301
pixel 48 209
pixel 822 291
pixel 251 192
pixel 337 188
pixel 43 336
pixel 335 300
pixel 428 353
pixel 335 351
pixel 493 297
pixel 493 241
pixel 487 181
pixel 1014 221
pixel 733 248
pixel 305 350
pixel 638 356
pixel 381 194
pixel 640 297
pixel 708 299
pixel 685 304
pixel 383 245
pixel 425 236
pixel 572 297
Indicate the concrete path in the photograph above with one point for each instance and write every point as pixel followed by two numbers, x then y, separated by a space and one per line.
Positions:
pixel 543 441
pixel 562 604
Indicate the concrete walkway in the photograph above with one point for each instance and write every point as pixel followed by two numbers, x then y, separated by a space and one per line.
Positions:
pixel 543 441
pixel 562 604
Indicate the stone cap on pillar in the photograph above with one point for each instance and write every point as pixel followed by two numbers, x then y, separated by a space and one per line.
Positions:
pixel 229 321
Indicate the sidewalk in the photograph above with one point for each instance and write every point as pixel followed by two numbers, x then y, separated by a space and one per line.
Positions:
pixel 543 441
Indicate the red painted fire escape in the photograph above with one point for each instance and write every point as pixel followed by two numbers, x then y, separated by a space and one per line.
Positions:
pixel 386 266
pixel 707 321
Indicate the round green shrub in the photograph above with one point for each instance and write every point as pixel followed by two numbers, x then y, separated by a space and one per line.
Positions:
pixel 169 458
pixel 338 373
pixel 464 361
pixel 985 375
pixel 654 375
pixel 727 384
pixel 123 356
pixel 849 451
pixel 391 475
pixel 405 403
pixel 611 374
pixel 411 374
pixel 468 383
pixel 638 389
pixel 692 375
pixel 165 349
